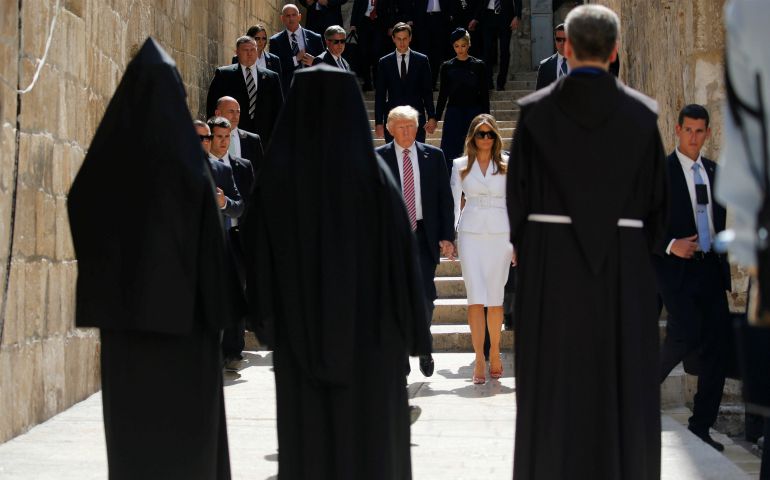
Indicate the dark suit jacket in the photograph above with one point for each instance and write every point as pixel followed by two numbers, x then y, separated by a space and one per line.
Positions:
pixel 508 9
pixel 223 178
pixel 385 13
pixel 228 80
pixel 271 61
pixel 251 150
pixel 281 47
pixel 243 174
pixel 670 268
pixel 421 6
pixel 327 58
pixel 437 203
pixel 546 72
pixel 318 20
pixel 416 91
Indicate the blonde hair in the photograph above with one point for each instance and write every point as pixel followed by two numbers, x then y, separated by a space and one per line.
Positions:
pixel 403 112
pixel 470 145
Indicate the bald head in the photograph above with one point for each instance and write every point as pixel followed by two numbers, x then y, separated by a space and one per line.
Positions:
pixel 290 17
pixel 229 108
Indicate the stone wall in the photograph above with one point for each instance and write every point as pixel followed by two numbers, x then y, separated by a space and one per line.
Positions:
pixel 46 364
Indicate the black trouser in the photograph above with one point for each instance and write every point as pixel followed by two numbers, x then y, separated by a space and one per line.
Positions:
pixel 432 38
pixel 698 322
pixel 371 36
pixel 494 29
pixel 427 269
pixel 764 470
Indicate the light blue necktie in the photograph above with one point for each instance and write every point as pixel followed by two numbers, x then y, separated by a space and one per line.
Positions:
pixel 701 215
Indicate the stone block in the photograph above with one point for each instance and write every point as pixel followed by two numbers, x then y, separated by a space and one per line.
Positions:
pixel 81 360
pixel 35 296
pixel 36 18
pixel 12 326
pixel 76 7
pixel 69 275
pixel 45 225
pixel 64 249
pixel 24 222
pixel 6 393
pixel 53 312
pixel 27 383
pixel 53 375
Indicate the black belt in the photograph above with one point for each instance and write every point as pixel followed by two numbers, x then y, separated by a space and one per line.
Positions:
pixel 493 11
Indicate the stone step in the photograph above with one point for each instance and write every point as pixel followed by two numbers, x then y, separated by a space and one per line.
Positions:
pixel 450 287
pixel 505 125
pixel 511 86
pixel 493 105
pixel 450 311
pixel 457 338
pixel 506 114
pixel 524 76
pixel 449 268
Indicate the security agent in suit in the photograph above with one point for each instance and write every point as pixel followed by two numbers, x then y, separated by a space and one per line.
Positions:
pixel 265 60
pixel 497 19
pixel 334 36
pixel 372 21
pixel 431 28
pixel 256 89
pixel 433 212
pixel 295 46
pixel 555 66
pixel 692 277
pixel 228 197
pixel 244 146
pixel 322 14
pixel 404 78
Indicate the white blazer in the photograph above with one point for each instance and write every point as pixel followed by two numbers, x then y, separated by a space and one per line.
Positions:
pixel 485 209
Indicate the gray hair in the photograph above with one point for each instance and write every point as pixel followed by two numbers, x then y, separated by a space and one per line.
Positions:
pixel 592 31
pixel 244 39
pixel 332 31
pixel 403 112
pixel 201 123
pixel 220 122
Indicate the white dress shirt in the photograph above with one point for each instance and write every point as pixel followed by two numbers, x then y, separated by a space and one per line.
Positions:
pixel 406 60
pixel 433 6
pixel 415 172
pixel 261 61
pixel 235 144
pixel 300 42
pixel 689 176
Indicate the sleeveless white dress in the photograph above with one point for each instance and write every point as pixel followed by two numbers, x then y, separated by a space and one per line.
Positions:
pixel 483 233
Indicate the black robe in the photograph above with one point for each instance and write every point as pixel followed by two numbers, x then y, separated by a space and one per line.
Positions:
pixel 587 386
pixel 333 286
pixel 151 274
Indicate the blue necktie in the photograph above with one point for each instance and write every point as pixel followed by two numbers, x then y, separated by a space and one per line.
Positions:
pixel 701 215
pixel 563 67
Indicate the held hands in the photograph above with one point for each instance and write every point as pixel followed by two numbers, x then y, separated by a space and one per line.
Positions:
pixel 221 199
pixel 430 125
pixel 447 249
pixel 685 247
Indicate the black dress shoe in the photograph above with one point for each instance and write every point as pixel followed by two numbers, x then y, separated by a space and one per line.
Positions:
pixel 426 365
pixel 414 413
pixel 707 439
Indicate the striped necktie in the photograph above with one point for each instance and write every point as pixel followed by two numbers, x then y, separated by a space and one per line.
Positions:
pixel 409 199
pixel 295 47
pixel 251 88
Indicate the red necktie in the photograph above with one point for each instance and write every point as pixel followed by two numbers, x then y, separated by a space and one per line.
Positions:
pixel 409 200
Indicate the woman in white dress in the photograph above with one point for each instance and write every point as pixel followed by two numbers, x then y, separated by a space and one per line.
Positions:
pixel 483 236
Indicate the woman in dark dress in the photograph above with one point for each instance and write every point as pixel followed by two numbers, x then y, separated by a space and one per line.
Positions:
pixel 464 94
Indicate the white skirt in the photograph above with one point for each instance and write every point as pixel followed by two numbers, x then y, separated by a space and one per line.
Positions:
pixel 486 260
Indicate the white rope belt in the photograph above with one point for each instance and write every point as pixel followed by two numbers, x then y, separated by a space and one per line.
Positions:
pixel 546 218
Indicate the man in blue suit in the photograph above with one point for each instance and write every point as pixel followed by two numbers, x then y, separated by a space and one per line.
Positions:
pixel 296 47
pixel 265 60
pixel 421 172
pixel 404 78
pixel 692 277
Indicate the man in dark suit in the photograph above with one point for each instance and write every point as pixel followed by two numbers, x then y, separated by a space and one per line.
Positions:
pixel 372 20
pixel 403 78
pixel 555 66
pixel 243 145
pixel 497 20
pixel 424 181
pixel 265 60
pixel 224 165
pixel 322 14
pixel 228 197
pixel 257 89
pixel 334 36
pixel 692 277
pixel 296 47
pixel 431 32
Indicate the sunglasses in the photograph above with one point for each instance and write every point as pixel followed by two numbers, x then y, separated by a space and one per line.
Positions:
pixel 560 39
pixel 337 41
pixel 488 134
pixel 205 138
